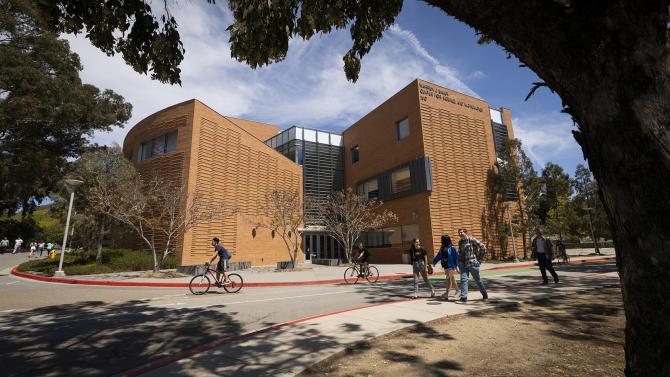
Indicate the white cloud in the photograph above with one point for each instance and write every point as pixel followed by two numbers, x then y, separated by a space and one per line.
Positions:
pixel 477 75
pixel 308 88
pixel 547 137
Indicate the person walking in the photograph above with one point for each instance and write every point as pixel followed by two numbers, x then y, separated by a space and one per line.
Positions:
pixel 543 250
pixel 33 249
pixel 40 248
pixel 17 245
pixel 448 257
pixel 4 245
pixel 418 257
pixel 469 252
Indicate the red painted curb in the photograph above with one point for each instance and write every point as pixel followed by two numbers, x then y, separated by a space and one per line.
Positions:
pixel 217 343
pixel 112 283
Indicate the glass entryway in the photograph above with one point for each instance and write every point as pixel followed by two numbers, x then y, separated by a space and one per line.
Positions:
pixel 321 246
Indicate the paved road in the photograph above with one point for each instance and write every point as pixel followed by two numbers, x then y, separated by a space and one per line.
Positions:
pixel 57 329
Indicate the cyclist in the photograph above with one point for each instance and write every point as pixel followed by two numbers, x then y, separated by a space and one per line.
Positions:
pixel 222 265
pixel 362 259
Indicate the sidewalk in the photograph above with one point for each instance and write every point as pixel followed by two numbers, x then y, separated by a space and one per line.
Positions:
pixel 311 275
pixel 289 348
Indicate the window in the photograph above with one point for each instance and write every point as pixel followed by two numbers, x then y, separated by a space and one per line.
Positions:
pixel 395 236
pixel 402 128
pixel 401 180
pixel 369 189
pixel 354 154
pixel 159 145
pixel 171 142
pixel 409 232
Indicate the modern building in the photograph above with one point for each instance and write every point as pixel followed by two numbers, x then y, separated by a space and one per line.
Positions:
pixel 429 153
pixel 321 155
pixel 224 158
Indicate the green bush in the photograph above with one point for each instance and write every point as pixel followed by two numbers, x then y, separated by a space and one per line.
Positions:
pixel 113 260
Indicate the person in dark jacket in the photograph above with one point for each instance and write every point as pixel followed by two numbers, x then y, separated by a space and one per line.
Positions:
pixel 418 256
pixel 448 256
pixel 544 250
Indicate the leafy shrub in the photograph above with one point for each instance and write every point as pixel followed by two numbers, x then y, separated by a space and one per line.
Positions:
pixel 113 260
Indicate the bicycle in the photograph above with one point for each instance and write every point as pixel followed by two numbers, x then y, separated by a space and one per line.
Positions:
pixel 353 273
pixel 200 284
pixel 562 256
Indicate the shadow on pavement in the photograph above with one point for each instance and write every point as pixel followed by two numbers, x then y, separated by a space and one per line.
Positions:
pixel 93 338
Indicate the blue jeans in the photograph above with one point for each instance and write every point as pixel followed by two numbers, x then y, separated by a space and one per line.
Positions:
pixel 474 270
pixel 419 268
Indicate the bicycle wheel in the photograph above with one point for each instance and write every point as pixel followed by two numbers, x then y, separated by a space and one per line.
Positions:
pixel 351 275
pixel 199 285
pixel 373 274
pixel 234 283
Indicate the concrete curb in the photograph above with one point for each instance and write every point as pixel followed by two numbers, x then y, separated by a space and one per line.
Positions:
pixel 113 283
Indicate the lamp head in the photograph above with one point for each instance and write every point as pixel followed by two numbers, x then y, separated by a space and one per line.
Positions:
pixel 72 184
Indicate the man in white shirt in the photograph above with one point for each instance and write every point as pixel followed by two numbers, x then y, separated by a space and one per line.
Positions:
pixel 543 250
pixel 17 245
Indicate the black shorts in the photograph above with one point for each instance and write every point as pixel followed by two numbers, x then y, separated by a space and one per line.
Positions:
pixel 222 265
pixel 364 261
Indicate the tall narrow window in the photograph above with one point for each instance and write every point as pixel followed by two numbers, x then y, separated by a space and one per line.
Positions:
pixel 171 142
pixel 402 128
pixel 354 154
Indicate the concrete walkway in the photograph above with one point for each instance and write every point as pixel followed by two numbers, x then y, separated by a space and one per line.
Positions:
pixel 307 274
pixel 289 348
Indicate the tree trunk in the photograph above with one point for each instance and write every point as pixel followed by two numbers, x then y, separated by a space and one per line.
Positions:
pixel 98 243
pixel 632 166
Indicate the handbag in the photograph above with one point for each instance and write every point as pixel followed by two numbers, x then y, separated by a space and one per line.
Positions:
pixel 429 268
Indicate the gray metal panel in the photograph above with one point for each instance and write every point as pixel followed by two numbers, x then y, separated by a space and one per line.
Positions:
pixel 420 173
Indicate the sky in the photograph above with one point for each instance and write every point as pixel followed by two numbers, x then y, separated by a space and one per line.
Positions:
pixel 309 87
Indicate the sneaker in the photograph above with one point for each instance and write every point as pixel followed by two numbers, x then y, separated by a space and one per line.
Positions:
pixel 462 301
pixel 432 293
pixel 544 283
pixel 485 297
pixel 555 281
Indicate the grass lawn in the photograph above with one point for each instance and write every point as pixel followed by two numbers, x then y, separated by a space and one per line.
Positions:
pixel 113 260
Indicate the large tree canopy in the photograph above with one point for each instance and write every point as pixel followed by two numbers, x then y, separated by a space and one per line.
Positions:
pixel 609 62
pixel 46 113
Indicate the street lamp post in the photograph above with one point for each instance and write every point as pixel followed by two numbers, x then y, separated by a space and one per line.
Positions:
pixel 72 185
pixel 593 234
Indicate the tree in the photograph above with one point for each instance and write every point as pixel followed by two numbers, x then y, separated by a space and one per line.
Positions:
pixel 46 113
pixel 586 196
pixel 563 219
pixel 146 42
pixel 518 181
pixel 346 215
pixel 283 214
pixel 101 170
pixel 158 210
pixel 608 60
pixel 556 183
